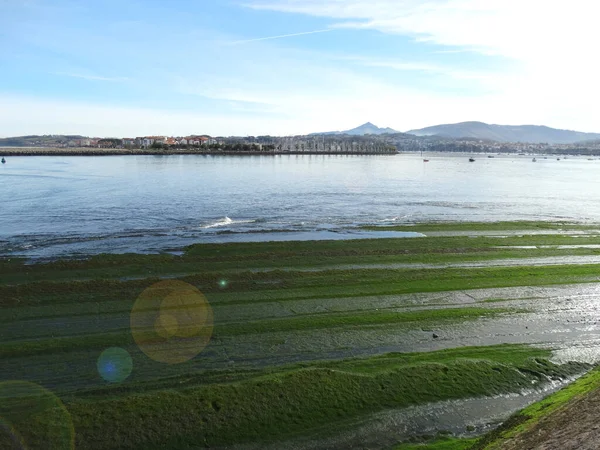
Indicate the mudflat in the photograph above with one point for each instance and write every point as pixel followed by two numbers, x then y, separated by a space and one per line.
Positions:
pixel 295 344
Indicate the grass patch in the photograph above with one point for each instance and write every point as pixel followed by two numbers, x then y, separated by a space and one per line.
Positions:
pixel 527 418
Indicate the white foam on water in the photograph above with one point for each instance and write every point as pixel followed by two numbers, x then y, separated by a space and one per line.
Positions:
pixel 225 222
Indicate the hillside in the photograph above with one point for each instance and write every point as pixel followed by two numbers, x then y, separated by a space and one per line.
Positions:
pixel 38 141
pixel 506 133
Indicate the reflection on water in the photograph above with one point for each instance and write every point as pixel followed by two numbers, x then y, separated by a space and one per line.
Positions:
pixel 64 205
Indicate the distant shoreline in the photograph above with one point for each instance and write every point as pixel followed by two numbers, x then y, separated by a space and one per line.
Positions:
pixel 83 151
pixel 90 151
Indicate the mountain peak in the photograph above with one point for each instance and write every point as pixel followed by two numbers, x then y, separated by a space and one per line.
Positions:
pixel 366 128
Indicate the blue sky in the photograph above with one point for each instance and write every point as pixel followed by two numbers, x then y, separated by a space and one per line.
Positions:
pixel 250 67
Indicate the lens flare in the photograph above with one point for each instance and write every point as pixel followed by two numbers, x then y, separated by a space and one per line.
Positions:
pixel 171 322
pixel 223 283
pixel 32 417
pixel 114 364
pixel 166 325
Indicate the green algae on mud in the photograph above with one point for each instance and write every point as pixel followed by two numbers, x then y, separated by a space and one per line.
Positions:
pixel 413 319
pixel 279 403
pixel 210 405
pixel 280 285
pixel 516 225
pixel 308 254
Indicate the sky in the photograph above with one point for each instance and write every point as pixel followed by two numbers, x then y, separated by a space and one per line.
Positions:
pixel 128 68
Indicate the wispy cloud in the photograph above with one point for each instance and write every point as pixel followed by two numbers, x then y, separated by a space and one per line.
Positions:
pixel 92 77
pixel 511 28
pixel 55 116
pixel 193 77
pixel 281 36
pixel 411 66
pixel 453 51
pixel 483 76
pixel 432 68
pixel 551 74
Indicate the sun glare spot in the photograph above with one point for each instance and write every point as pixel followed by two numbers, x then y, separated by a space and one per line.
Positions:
pixel 171 322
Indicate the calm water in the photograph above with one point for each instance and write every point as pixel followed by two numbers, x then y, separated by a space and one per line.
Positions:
pixel 54 206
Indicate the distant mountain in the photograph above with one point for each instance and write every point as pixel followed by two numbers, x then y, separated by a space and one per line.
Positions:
pixel 506 133
pixel 367 128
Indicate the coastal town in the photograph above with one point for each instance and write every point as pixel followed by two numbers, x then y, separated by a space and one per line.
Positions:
pixel 140 142
pixel 342 144
pixel 388 143
pixel 292 144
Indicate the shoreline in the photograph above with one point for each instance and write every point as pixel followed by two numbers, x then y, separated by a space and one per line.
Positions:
pixel 89 151
pixel 82 151
pixel 146 245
